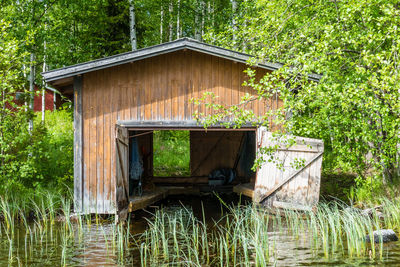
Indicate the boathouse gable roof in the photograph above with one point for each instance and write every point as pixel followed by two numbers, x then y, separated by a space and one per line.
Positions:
pixel 179 44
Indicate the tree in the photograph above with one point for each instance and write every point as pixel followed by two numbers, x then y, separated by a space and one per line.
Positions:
pixel 355 107
pixel 132 24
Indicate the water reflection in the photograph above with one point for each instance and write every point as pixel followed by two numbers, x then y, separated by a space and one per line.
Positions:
pixel 95 246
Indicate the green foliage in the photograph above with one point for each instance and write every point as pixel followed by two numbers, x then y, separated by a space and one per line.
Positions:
pixel 355 107
pixel 42 158
pixel 58 145
pixel 171 153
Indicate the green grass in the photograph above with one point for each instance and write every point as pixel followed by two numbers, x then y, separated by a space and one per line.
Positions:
pixel 241 237
pixel 171 153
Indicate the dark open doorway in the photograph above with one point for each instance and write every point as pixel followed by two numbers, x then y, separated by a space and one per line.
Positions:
pixel 217 161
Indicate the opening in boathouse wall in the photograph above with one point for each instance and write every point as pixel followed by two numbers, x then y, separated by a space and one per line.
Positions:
pixel 151 89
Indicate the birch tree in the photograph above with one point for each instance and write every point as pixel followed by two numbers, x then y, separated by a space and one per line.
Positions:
pixel 132 24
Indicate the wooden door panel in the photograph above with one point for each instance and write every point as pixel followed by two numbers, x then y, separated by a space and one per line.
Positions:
pixel 122 171
pixel 290 173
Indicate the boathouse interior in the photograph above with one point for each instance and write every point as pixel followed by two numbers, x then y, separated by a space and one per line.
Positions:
pixel 220 159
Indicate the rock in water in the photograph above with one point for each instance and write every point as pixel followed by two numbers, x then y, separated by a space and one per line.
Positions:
pixel 387 235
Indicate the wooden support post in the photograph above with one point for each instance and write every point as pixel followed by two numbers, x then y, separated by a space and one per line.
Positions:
pixel 78 143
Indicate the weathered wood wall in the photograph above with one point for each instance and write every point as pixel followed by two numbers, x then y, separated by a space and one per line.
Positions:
pixel 157 88
pixel 292 178
pixel 218 149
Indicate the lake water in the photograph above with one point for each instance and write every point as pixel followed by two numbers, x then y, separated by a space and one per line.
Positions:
pixel 98 245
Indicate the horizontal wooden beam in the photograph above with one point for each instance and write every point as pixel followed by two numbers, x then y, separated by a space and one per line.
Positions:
pixel 148 198
pixel 290 206
pixel 244 189
pixel 167 124
pixel 180 180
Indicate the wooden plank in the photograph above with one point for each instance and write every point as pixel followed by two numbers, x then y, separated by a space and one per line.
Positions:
pixel 108 206
pixel 227 84
pixel 196 81
pixel 314 182
pixel 78 145
pixel 161 87
pixel 206 156
pixel 180 180
pixel 113 116
pixel 235 83
pixel 290 206
pixel 155 95
pixel 168 89
pixel 208 84
pixel 99 140
pixel 215 78
pixel 92 148
pixel 140 91
pixel 181 190
pixel 291 176
pixel 122 187
pixel 86 142
pixel 244 189
pixel 147 199
pixel 148 88
pixel 186 84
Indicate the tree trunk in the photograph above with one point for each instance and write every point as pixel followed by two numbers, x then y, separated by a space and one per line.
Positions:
pixel 178 20
pixel 31 88
pixel 161 24
pixel 44 83
pixel 234 21
pixel 197 25
pixel 171 33
pixel 132 25
pixel 202 6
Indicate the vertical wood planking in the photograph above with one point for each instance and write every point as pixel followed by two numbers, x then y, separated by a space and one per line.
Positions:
pixel 113 106
pixel 150 89
pixel 235 83
pixel 174 84
pixel 93 146
pixel 186 84
pixel 196 80
pixel 78 145
pixel 133 90
pixel 168 89
pixel 99 140
pixel 180 84
pixel 107 205
pixel 86 142
pixel 299 190
pixel 157 85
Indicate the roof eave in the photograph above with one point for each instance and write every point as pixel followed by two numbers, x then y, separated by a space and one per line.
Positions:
pixel 165 48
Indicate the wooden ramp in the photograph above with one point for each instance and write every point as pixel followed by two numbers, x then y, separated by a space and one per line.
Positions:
pixel 244 189
pixel 147 198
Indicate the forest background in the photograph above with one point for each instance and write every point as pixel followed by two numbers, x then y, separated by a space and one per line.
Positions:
pixel 354 45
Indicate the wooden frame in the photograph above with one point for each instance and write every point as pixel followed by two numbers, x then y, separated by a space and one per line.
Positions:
pixel 78 145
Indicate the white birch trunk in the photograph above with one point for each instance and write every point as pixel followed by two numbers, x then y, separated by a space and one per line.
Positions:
pixel 170 9
pixel 31 88
pixel 197 22
pixel 178 20
pixel 161 24
pixel 132 25
pixel 202 6
pixel 43 83
pixel 234 21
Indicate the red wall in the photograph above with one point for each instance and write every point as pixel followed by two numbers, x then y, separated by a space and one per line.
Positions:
pixel 37 102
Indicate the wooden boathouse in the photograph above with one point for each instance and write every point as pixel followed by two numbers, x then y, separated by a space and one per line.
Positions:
pixel 135 93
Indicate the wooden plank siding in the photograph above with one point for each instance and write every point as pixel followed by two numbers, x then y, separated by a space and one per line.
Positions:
pixel 156 88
